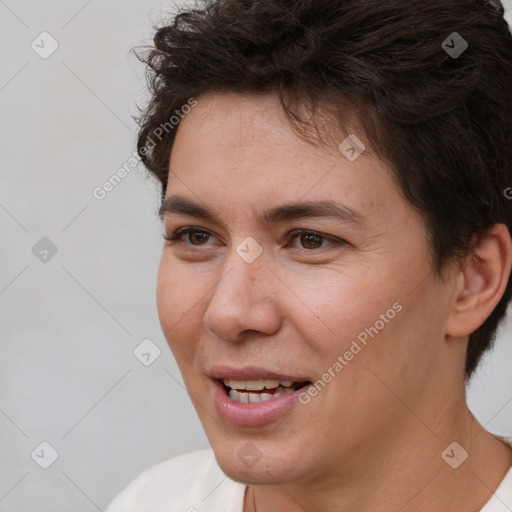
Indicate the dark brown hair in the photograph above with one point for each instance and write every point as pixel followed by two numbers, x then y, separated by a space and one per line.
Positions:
pixel 442 121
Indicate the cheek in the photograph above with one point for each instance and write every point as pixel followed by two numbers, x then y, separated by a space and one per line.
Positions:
pixel 400 344
pixel 376 321
pixel 336 306
pixel 167 304
pixel 178 304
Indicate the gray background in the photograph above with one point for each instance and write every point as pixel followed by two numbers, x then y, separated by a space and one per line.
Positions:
pixel 69 325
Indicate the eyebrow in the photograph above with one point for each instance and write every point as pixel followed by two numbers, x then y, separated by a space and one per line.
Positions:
pixel 282 213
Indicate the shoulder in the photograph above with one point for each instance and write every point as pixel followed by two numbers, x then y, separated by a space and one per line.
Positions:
pixel 501 500
pixel 187 483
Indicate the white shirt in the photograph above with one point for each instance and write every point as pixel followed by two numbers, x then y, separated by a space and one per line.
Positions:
pixel 194 482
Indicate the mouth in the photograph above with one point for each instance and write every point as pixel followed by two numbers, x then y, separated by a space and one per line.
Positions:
pixel 253 396
pixel 261 390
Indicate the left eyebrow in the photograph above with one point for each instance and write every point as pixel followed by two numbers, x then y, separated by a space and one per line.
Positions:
pixel 324 208
pixel 274 215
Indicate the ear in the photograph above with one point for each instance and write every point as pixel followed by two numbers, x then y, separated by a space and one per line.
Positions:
pixel 481 282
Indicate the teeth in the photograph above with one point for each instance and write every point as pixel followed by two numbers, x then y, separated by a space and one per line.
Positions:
pixel 256 385
pixel 251 398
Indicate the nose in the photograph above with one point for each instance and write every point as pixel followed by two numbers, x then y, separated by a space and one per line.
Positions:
pixel 243 301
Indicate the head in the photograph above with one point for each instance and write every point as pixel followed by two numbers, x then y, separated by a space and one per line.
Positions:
pixel 285 109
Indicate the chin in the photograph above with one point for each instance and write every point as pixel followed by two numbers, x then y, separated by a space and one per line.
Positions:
pixel 243 462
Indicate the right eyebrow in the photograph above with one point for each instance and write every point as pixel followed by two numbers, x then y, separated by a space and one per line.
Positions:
pixel 182 205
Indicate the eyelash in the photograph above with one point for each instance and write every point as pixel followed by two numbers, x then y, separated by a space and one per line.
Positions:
pixel 176 235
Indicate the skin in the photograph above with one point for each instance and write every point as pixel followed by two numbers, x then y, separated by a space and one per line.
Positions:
pixel 373 438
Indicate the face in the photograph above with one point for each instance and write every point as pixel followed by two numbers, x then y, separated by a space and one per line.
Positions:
pixel 294 327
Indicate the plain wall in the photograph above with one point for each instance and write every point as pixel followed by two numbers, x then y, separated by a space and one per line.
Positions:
pixel 69 326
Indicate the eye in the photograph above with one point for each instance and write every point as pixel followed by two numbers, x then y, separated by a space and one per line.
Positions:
pixel 308 240
pixel 311 240
pixel 195 236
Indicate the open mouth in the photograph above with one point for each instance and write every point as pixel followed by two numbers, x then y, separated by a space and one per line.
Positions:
pixel 255 391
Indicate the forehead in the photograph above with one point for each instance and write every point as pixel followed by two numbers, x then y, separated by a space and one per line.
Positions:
pixel 250 136
pixel 228 119
pixel 239 152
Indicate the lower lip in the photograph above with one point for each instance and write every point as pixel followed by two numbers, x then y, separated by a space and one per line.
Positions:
pixel 255 414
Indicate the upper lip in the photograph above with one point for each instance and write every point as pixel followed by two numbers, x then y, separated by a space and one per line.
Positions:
pixel 252 373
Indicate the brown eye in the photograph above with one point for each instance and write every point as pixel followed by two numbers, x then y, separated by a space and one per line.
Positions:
pixel 311 241
pixel 198 237
pixel 189 236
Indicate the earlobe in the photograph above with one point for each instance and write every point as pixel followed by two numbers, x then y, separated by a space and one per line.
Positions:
pixel 481 282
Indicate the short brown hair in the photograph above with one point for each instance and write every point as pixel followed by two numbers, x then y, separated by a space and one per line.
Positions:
pixel 442 121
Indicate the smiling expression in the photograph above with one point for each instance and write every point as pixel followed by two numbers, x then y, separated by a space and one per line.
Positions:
pixel 279 255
